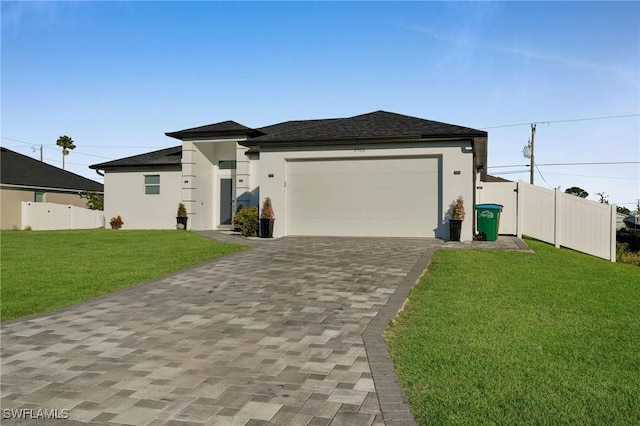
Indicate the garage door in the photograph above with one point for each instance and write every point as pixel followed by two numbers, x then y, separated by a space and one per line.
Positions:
pixel 389 197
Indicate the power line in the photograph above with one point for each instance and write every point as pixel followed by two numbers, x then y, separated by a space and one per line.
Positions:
pixel 562 121
pixel 589 164
pixel 591 176
pixel 92 146
pixel 514 172
pixel 540 173
pixel 18 140
pixel 570 164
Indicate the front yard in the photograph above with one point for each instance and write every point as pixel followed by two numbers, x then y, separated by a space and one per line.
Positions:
pixel 518 338
pixel 46 270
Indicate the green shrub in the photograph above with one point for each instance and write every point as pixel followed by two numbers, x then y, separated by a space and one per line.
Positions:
pixel 246 221
pixel 630 238
pixel 621 248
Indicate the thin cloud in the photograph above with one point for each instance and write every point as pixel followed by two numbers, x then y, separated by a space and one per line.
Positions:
pixel 16 15
pixel 464 40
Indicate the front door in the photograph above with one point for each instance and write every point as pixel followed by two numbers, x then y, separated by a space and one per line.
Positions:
pixel 226 201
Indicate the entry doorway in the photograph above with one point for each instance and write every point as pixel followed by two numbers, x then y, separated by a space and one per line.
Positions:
pixel 226 201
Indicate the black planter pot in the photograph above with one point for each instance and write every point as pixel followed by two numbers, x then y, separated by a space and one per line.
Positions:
pixel 266 228
pixel 181 221
pixel 455 226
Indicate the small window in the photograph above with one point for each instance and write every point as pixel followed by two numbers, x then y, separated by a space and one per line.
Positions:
pixel 38 197
pixel 227 165
pixel 152 184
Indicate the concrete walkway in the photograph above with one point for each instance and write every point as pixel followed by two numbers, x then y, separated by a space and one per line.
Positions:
pixel 287 332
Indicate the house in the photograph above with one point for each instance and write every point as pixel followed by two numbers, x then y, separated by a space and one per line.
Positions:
pixel 376 174
pixel 23 178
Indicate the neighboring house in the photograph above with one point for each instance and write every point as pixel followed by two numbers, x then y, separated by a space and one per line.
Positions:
pixel 491 178
pixel 23 178
pixel 376 174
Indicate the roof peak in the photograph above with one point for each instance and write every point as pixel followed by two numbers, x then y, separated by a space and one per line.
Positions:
pixel 222 128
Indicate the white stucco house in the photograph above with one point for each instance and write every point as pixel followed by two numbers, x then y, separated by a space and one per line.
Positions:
pixel 376 174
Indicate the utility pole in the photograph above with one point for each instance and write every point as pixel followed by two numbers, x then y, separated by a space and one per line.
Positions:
pixel 33 148
pixel 533 135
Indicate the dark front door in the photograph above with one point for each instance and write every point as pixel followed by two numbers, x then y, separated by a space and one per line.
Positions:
pixel 226 201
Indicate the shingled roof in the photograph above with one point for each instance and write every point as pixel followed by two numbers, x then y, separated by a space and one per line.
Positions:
pixel 289 126
pixel 19 170
pixel 378 125
pixel 164 157
pixel 224 128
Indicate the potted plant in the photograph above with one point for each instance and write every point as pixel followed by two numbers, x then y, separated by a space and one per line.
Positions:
pixel 116 222
pixel 457 216
pixel 266 219
pixel 181 218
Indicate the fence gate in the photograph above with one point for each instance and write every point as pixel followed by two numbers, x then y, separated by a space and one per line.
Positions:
pixel 505 193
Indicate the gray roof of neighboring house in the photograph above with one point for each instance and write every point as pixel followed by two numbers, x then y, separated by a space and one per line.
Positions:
pixel 21 170
pixel 378 125
pixel 491 178
pixel 164 157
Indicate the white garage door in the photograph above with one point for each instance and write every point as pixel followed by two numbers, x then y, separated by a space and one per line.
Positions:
pixel 388 197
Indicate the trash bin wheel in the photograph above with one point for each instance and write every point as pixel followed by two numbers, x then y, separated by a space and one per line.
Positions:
pixel 481 236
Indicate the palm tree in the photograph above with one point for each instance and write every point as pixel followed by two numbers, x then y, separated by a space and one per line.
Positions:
pixel 66 143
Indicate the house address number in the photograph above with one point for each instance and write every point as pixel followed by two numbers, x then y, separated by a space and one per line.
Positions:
pixel 358 150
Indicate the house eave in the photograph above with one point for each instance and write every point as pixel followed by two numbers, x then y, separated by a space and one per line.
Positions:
pixel 185 135
pixel 141 167
pixel 354 141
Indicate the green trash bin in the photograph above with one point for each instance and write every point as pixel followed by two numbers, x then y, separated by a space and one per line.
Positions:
pixel 488 216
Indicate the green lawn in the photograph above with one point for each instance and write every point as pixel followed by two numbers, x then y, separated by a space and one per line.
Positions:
pixel 43 271
pixel 518 338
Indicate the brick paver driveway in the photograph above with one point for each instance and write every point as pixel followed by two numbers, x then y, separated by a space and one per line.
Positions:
pixel 272 334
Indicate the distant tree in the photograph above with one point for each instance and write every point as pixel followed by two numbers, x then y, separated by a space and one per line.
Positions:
pixel 95 201
pixel 623 210
pixel 66 143
pixel 579 192
pixel 604 198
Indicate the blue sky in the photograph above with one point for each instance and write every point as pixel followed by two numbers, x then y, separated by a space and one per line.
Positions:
pixel 116 75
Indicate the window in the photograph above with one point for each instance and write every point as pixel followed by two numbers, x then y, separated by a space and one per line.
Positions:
pixel 227 165
pixel 38 197
pixel 152 184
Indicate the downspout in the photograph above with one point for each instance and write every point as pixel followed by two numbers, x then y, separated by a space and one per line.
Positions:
pixel 98 172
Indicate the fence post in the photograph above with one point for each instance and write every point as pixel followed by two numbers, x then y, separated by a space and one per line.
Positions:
pixel 558 217
pixel 519 210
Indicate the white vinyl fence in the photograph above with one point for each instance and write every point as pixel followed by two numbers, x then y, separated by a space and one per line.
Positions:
pixel 50 216
pixel 554 217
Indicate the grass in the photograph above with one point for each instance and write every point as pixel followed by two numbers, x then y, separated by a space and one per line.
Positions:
pixel 44 271
pixel 518 338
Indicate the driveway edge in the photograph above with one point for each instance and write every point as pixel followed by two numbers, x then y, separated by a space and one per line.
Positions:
pixel 391 396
